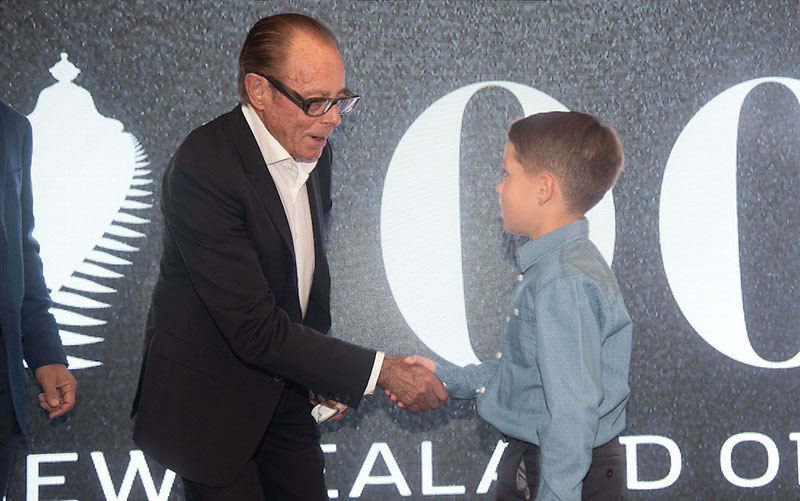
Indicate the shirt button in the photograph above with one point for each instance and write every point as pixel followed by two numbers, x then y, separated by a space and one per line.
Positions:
pixel 498 355
pixel 516 312
pixel 480 390
pixel 519 278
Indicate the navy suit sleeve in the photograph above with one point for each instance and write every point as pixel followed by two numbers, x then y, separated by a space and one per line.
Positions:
pixel 40 340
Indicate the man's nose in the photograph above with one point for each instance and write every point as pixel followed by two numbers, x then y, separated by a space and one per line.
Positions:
pixel 332 117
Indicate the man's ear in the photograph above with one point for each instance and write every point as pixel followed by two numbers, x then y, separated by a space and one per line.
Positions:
pixel 257 91
pixel 545 187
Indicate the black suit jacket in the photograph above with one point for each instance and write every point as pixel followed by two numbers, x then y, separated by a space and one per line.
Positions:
pixel 27 326
pixel 225 327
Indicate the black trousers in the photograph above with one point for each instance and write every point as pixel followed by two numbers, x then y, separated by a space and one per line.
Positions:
pixel 519 469
pixel 10 435
pixel 287 465
pixel 9 446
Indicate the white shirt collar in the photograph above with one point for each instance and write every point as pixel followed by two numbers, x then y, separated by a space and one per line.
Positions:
pixel 296 173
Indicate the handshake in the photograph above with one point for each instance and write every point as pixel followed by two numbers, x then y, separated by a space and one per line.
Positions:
pixel 411 383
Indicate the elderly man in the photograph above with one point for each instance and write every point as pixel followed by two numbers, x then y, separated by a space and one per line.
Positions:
pixel 27 328
pixel 235 339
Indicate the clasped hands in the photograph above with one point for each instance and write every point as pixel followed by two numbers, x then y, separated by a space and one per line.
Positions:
pixel 411 383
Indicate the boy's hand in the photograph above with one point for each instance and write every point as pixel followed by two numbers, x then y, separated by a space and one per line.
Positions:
pixel 423 361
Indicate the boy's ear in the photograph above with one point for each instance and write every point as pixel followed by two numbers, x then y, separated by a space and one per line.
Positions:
pixel 545 187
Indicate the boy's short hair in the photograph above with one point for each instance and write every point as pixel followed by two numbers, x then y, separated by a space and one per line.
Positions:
pixel 581 152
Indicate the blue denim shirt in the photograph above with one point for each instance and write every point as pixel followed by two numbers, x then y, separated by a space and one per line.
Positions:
pixel 561 378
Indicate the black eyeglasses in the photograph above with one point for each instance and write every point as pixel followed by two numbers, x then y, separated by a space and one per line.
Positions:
pixel 316 106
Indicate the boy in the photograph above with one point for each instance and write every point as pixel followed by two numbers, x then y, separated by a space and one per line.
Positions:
pixel 558 389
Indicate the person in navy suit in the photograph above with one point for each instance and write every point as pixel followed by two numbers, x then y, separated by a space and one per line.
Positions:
pixel 27 328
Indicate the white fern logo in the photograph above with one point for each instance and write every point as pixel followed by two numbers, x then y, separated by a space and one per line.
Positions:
pixel 88 177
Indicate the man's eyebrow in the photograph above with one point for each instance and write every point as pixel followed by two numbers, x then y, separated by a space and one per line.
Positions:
pixel 326 94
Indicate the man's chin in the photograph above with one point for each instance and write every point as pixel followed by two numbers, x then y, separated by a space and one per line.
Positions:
pixel 311 155
pixel 308 158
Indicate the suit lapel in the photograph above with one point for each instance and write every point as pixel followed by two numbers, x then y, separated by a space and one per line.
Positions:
pixel 10 156
pixel 241 135
pixel 320 260
pixel 318 312
pixel 7 148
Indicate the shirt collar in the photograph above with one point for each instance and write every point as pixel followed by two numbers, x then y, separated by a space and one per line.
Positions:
pixel 270 148
pixel 533 250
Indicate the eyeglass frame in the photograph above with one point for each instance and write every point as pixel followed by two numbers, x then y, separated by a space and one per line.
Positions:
pixel 304 104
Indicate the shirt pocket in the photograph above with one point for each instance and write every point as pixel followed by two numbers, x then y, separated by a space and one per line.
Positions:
pixel 520 339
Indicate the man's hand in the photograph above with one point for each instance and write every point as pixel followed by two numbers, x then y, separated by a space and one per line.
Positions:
pixel 415 387
pixel 414 360
pixel 343 409
pixel 59 389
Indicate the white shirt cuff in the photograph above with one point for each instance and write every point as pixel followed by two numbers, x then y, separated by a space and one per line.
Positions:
pixel 376 370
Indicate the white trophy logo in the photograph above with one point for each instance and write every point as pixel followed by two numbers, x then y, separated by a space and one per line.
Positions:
pixel 420 220
pixel 88 176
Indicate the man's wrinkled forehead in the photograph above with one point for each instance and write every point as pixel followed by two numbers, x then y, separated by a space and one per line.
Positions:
pixel 316 67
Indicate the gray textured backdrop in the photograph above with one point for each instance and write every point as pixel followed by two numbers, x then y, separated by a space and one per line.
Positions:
pixel 647 67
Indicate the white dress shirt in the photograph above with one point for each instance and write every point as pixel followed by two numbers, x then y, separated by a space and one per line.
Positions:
pixel 290 179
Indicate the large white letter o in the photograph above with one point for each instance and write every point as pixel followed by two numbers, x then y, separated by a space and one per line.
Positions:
pixel 420 220
pixel 698 225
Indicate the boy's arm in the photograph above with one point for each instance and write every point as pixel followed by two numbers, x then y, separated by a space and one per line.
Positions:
pixel 464 382
pixel 568 356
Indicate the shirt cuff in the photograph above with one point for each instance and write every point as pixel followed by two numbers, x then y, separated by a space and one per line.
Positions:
pixel 376 370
